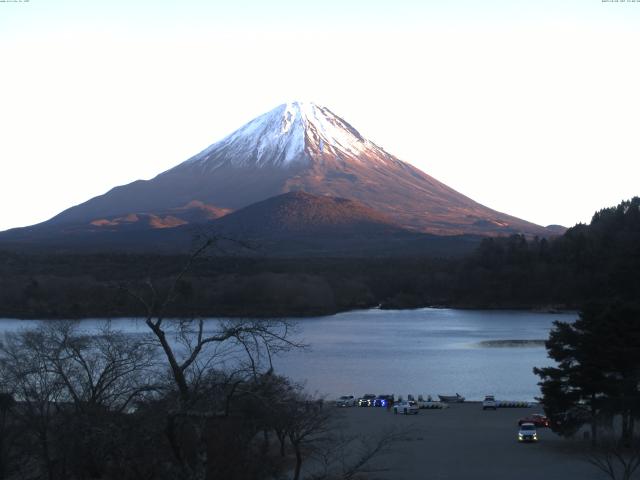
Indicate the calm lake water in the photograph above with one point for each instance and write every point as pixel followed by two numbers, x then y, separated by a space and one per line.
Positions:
pixel 423 351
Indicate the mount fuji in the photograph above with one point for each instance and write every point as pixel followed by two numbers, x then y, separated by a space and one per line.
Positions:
pixel 296 147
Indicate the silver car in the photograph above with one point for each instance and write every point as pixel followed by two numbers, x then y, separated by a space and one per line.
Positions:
pixel 346 401
pixel 527 433
pixel 408 408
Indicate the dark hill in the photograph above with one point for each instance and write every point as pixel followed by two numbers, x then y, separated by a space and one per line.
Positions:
pixel 301 224
pixel 300 213
pixel 294 224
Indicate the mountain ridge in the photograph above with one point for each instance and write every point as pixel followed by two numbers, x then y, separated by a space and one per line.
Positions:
pixel 294 147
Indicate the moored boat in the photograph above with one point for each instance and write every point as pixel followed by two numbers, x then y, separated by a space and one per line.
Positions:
pixel 457 398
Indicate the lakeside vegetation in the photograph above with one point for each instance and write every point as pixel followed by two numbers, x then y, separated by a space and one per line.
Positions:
pixel 74 405
pixel 600 260
pixel 180 402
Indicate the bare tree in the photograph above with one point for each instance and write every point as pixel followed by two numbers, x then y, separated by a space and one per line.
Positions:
pixel 308 424
pixel 615 460
pixel 107 369
pixel 194 347
pixel 350 457
pixel 29 379
pixel 312 431
pixel 70 388
pixel 191 347
pixel 7 404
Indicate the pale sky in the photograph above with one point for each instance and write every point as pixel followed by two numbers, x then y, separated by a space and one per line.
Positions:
pixel 528 107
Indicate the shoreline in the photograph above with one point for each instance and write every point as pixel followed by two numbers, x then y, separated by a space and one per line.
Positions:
pixel 301 315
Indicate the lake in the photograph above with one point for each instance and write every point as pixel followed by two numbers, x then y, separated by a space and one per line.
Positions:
pixel 423 351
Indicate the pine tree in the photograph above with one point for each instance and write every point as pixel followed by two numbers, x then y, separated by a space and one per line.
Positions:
pixel 598 370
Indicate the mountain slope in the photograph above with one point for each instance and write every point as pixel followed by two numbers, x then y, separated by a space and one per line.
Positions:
pixel 294 224
pixel 294 147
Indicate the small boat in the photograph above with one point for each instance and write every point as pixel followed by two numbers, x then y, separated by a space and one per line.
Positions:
pixel 451 398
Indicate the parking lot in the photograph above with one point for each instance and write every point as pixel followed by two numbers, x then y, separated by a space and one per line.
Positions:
pixel 465 442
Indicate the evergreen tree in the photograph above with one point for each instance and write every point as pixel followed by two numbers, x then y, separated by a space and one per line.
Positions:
pixel 598 369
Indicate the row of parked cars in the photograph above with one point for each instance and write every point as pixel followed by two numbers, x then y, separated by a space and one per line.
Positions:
pixel 372 400
pixel 399 405
pixel 386 401
pixel 367 400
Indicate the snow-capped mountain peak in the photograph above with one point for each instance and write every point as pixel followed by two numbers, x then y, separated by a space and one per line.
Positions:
pixel 290 134
pixel 296 147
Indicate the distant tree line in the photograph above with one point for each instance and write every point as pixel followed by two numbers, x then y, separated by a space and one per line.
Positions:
pixel 588 262
pixel 599 260
pixel 70 286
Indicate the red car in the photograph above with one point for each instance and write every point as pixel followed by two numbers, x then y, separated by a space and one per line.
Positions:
pixel 537 419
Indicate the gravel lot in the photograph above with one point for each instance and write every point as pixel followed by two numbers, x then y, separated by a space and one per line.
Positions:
pixel 464 442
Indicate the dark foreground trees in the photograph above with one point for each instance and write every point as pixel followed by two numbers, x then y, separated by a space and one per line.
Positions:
pixel 597 383
pixel 69 392
pixel 597 379
pixel 78 405
pixel 7 404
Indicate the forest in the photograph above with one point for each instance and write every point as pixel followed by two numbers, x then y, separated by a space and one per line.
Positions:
pixel 598 260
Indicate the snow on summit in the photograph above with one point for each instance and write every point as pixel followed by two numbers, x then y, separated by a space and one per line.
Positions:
pixel 291 133
pixel 296 147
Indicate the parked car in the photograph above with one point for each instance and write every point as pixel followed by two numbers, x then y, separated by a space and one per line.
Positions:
pixel 489 403
pixel 536 419
pixel 408 407
pixel 527 433
pixel 383 400
pixel 366 400
pixel 346 401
